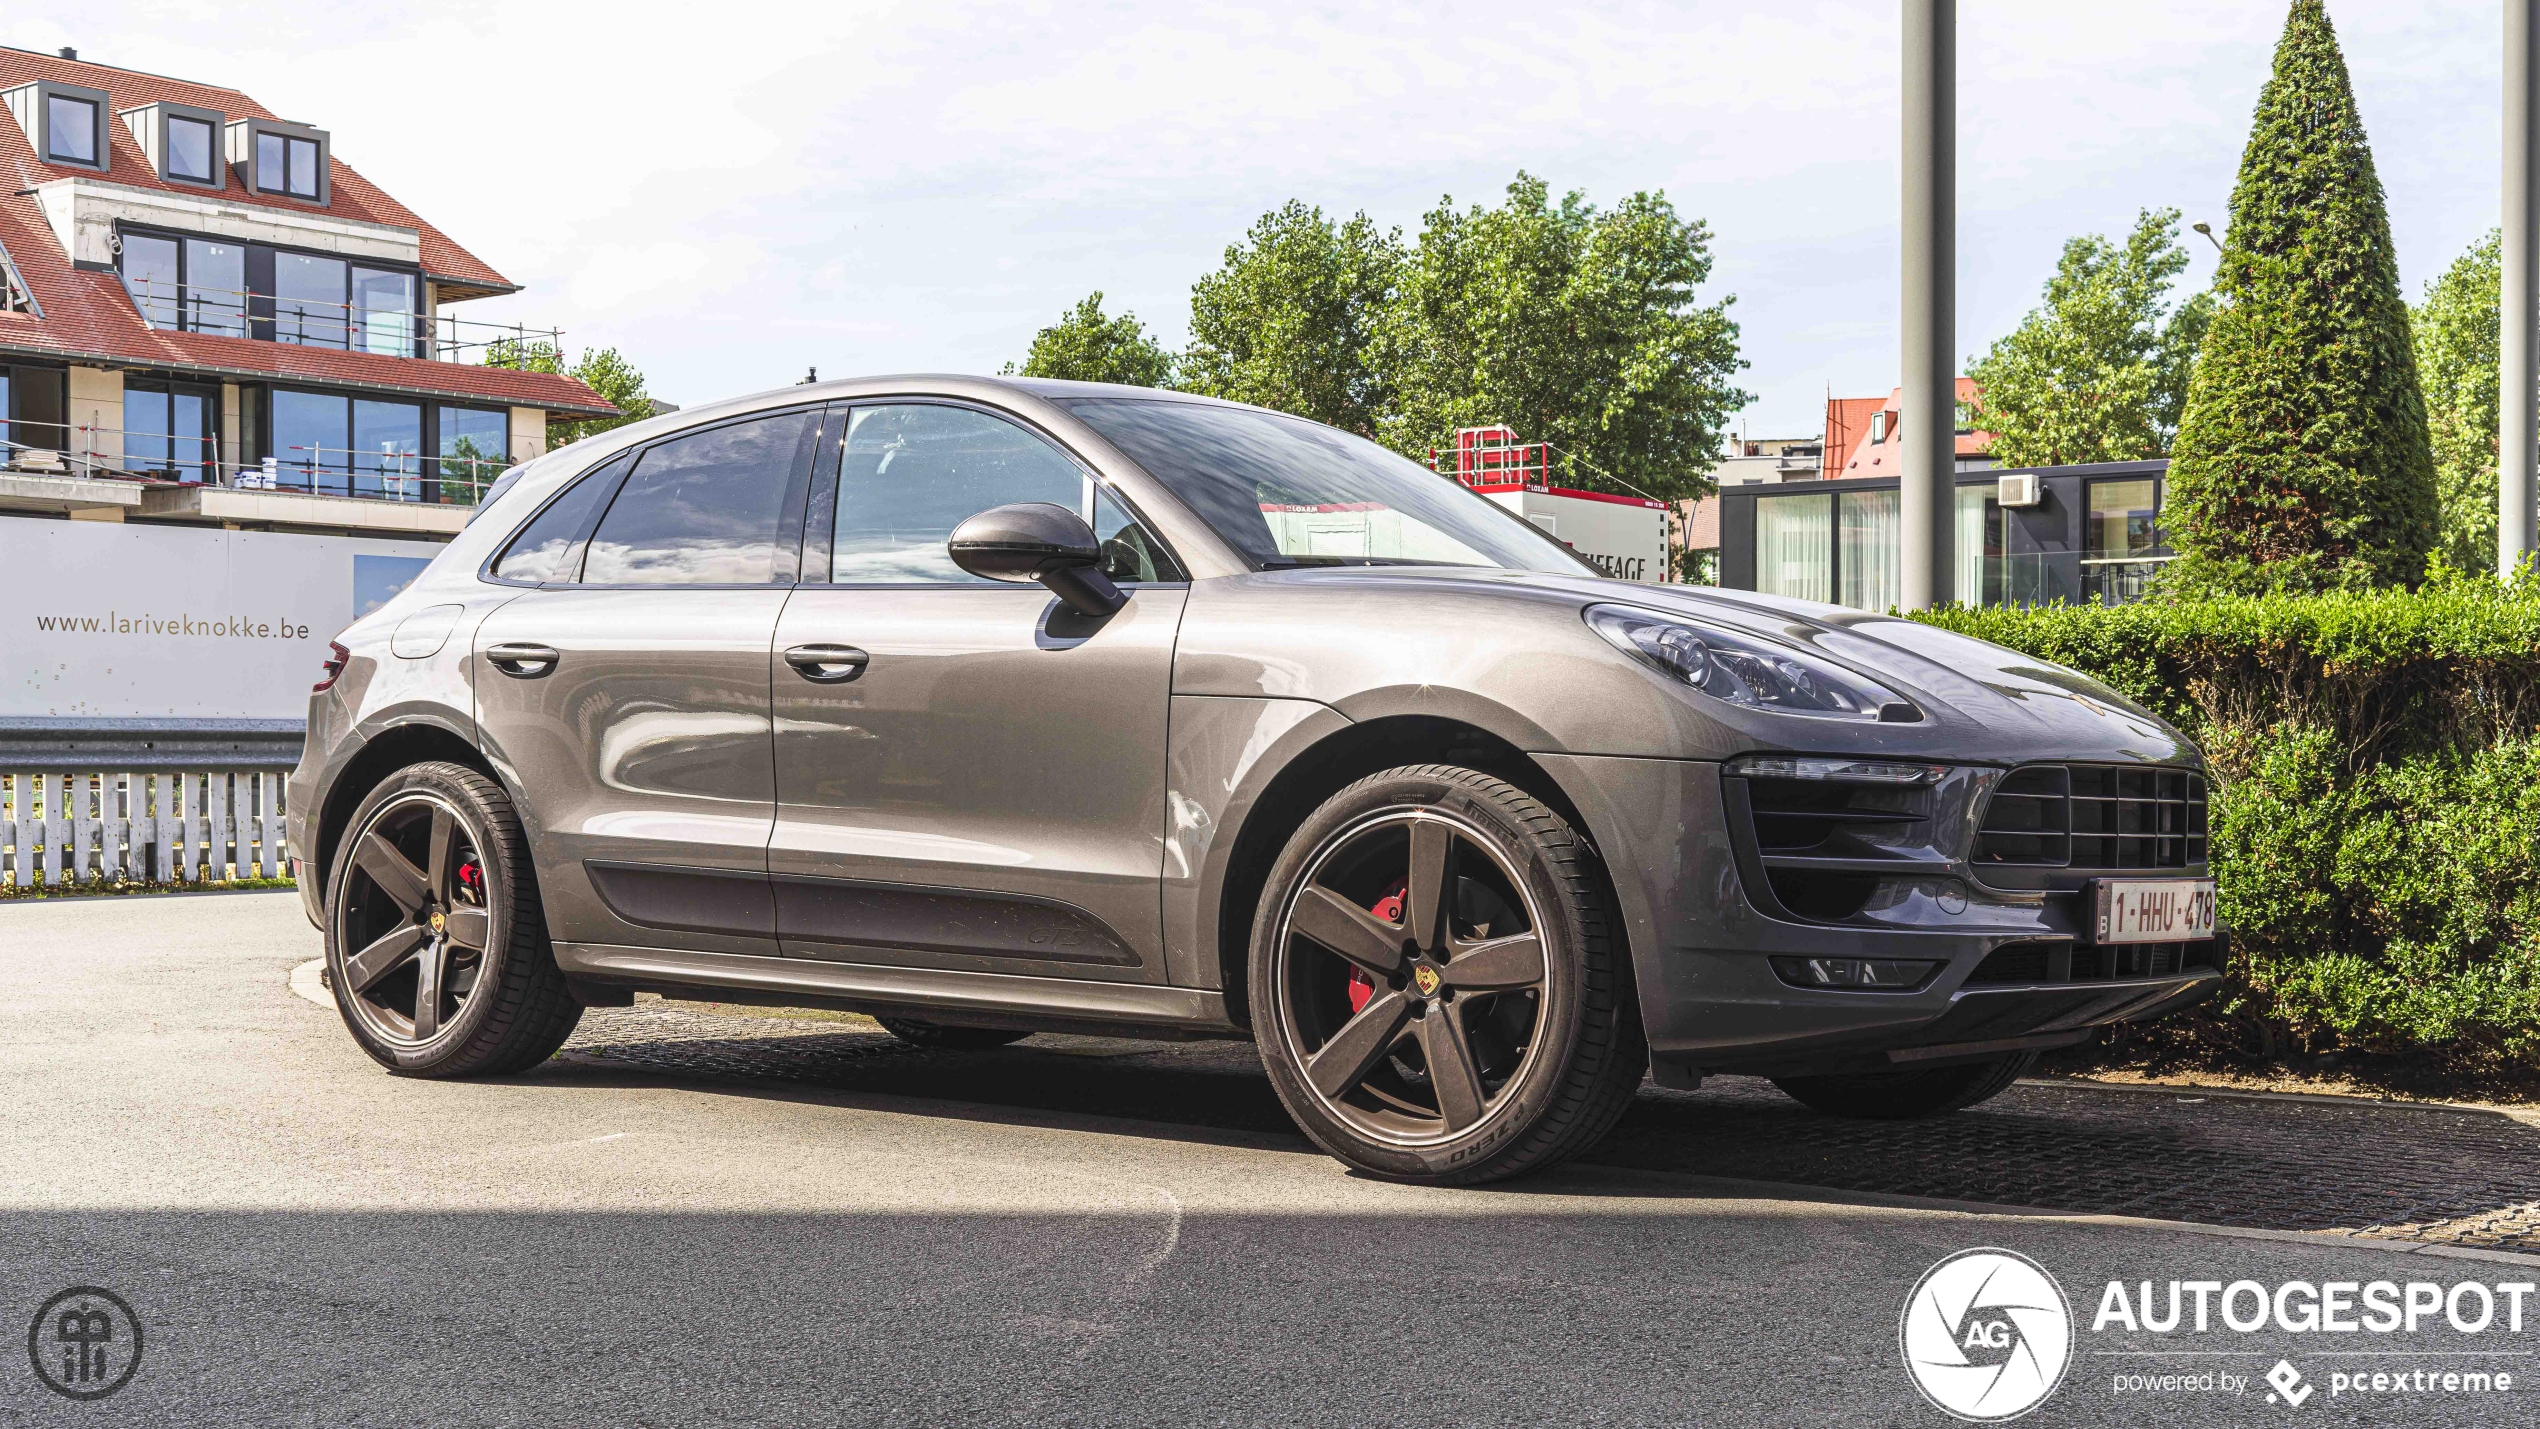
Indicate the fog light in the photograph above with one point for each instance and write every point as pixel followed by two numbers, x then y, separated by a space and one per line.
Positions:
pixel 1840 771
pixel 1856 974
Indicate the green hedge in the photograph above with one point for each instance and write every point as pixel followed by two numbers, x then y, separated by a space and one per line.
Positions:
pixel 2376 818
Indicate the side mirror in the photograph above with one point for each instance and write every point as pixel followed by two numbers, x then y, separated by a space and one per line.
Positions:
pixel 1036 541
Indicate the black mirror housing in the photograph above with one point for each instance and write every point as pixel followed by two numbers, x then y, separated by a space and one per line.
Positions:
pixel 1038 541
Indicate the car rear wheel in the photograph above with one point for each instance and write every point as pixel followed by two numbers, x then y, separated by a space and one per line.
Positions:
pixel 1903 1096
pixel 436 946
pixel 948 1039
pixel 1436 985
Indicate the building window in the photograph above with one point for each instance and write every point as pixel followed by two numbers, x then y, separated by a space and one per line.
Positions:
pixel 1794 546
pixel 1872 555
pixel 475 447
pixel 308 300
pixel 1878 428
pixel 347 446
pixel 189 144
pixel 216 287
pixel 70 129
pixel 151 275
pixel 287 164
pixel 2122 544
pixel 170 429
pixel 384 318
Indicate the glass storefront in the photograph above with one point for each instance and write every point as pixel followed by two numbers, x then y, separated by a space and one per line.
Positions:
pixel 1794 546
pixel 2122 546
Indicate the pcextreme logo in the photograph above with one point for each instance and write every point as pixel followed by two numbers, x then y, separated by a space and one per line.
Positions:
pixel 1986 1334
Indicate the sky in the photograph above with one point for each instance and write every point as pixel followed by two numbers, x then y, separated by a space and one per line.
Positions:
pixel 732 195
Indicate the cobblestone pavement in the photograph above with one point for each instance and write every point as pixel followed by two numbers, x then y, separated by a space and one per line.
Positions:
pixel 2363 1168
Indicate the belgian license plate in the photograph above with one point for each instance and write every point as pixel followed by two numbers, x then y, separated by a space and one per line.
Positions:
pixel 2148 910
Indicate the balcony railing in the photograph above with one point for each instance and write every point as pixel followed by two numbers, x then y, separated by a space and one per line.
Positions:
pixel 390 473
pixel 343 327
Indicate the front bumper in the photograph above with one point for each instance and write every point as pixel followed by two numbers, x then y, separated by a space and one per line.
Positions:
pixel 1702 947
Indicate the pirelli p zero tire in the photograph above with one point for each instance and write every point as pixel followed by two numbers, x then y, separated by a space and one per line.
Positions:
pixel 1903 1096
pixel 435 942
pixel 1437 985
pixel 948 1039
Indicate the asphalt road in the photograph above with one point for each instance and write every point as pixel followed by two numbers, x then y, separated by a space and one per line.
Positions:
pixel 614 1242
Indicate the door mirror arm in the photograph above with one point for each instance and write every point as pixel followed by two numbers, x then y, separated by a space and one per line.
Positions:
pixel 1038 541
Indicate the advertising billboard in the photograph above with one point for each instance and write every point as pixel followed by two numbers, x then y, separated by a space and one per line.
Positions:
pixel 109 620
pixel 1626 536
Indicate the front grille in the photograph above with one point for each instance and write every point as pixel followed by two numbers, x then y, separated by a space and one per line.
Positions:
pixel 2015 964
pixel 2113 816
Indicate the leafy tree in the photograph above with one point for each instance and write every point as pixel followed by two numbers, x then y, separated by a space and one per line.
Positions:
pixel 604 370
pixel 1085 346
pixel 1287 321
pixel 2458 349
pixel 2303 460
pixel 2098 371
pixel 1574 325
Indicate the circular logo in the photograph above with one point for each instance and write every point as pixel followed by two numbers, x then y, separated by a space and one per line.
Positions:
pixel 1427 978
pixel 1987 1334
pixel 85 1343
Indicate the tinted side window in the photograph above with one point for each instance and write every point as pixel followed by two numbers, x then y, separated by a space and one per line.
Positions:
pixel 549 548
pixel 705 509
pixel 910 474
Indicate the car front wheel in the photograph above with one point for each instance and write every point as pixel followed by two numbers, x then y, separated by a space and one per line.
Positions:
pixel 1437 987
pixel 436 946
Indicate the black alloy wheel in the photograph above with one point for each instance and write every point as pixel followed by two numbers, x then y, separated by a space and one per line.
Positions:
pixel 436 944
pixel 1435 991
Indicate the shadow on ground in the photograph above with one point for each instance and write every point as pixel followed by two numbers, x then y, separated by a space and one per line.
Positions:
pixel 2407 1172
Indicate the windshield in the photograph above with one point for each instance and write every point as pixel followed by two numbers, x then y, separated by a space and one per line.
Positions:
pixel 1287 492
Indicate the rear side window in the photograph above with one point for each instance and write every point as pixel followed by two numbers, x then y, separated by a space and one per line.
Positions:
pixel 705 509
pixel 549 548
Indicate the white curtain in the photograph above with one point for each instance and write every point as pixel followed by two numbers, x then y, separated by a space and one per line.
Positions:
pixel 1971 533
pixel 1794 549
pixel 1871 552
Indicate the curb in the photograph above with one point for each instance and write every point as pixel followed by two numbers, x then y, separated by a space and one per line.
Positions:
pixel 2528 1116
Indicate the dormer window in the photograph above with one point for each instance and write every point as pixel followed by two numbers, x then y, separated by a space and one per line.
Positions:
pixel 70 129
pixel 278 157
pixel 182 142
pixel 190 149
pixel 285 165
pixel 64 123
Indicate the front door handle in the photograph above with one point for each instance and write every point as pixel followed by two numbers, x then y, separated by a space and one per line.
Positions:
pixel 827 664
pixel 522 661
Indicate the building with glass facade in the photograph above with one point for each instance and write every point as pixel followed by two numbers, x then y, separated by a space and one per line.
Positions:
pixel 202 299
pixel 2025 536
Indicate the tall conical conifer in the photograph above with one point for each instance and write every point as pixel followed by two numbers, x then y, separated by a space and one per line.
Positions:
pixel 2302 462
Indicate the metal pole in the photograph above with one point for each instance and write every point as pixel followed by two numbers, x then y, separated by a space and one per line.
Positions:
pixel 1928 516
pixel 2518 404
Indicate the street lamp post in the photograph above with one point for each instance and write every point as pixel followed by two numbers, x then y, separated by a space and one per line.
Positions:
pixel 1927 515
pixel 2518 418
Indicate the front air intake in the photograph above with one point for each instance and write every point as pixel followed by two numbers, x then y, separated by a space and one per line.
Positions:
pixel 2094 816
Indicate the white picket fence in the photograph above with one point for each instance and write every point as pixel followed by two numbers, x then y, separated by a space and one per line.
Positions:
pixel 167 827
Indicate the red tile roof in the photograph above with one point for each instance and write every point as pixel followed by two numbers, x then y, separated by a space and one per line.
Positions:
pixel 88 314
pixel 1867 458
pixel 1847 426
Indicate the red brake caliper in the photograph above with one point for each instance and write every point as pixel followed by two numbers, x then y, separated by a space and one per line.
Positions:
pixel 1361 986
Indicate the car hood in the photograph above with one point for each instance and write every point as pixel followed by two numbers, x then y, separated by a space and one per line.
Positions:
pixel 1978 698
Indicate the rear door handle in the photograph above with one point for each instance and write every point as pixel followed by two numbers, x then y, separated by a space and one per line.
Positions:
pixel 827 664
pixel 522 661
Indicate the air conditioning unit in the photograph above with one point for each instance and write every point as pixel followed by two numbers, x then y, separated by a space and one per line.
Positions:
pixel 2019 488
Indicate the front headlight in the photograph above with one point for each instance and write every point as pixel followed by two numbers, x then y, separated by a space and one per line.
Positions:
pixel 1747 670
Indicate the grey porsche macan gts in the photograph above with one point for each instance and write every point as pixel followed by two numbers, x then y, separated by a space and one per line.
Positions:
pixel 994 706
